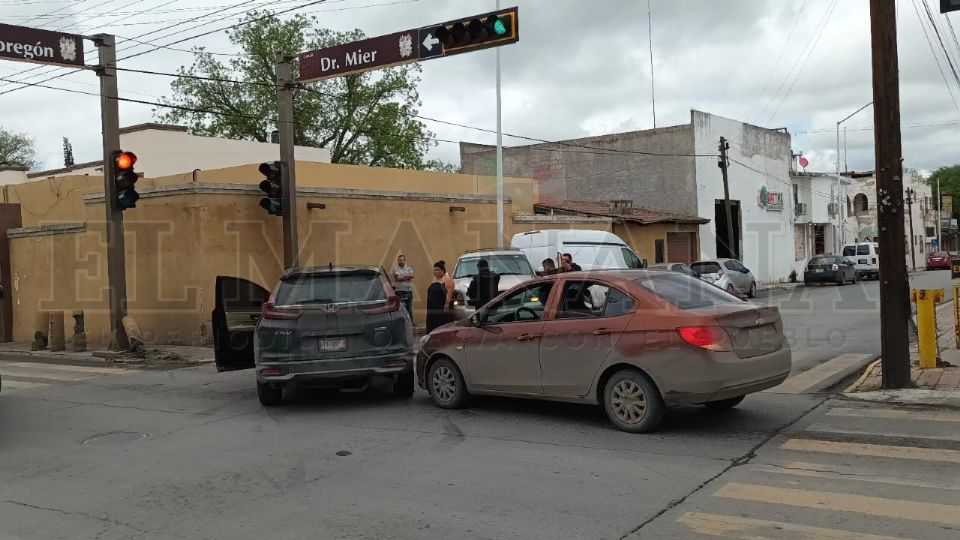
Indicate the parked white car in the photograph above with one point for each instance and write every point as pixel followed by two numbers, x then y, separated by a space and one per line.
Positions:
pixel 510 264
pixel 728 274
pixel 592 250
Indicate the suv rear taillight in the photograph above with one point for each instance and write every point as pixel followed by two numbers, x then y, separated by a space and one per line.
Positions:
pixel 270 311
pixel 392 304
pixel 712 338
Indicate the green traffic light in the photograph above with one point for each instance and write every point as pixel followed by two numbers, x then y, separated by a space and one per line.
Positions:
pixel 499 28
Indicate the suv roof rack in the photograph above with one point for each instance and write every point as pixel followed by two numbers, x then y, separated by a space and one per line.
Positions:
pixel 491 249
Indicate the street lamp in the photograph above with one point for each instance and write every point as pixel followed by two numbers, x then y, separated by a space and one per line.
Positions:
pixel 840 229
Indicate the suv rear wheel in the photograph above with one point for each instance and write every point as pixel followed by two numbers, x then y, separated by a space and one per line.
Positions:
pixel 632 402
pixel 269 394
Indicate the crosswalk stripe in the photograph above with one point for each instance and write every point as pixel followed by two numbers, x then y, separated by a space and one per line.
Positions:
pixel 747 528
pixel 846 473
pixel 11 384
pixel 65 367
pixel 843 502
pixel 896 414
pixel 825 428
pixel 34 373
pixel 873 450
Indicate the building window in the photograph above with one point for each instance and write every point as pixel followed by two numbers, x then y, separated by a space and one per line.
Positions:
pixel 658 251
pixel 861 205
pixel 796 195
pixel 931 232
pixel 849 206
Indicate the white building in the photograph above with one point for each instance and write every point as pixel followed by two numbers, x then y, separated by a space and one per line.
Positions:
pixel 862 207
pixel 165 150
pixel 760 186
pixel 815 216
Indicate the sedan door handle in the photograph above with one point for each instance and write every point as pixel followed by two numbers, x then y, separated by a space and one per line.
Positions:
pixel 526 337
pixel 603 332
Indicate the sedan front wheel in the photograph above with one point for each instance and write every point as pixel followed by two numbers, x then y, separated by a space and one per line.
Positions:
pixel 446 385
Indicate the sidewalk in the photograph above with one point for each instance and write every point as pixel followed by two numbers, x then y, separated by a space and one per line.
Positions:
pixel 937 386
pixel 772 287
pixel 156 356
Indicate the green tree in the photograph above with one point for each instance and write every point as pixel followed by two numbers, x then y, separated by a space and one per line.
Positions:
pixel 364 119
pixel 16 150
pixel 949 178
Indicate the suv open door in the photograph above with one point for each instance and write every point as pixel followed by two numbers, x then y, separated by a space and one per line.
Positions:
pixel 235 316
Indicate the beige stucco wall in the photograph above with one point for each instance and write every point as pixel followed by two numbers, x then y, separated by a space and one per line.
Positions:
pixel 643 238
pixel 177 244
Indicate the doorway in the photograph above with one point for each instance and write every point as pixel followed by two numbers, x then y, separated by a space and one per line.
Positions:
pixel 725 246
pixel 819 240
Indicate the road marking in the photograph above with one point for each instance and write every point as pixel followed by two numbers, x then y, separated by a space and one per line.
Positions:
pixel 897 414
pixel 761 529
pixel 845 473
pixel 14 385
pixel 65 367
pixel 824 428
pixel 873 450
pixel 34 373
pixel 927 512
pixel 821 376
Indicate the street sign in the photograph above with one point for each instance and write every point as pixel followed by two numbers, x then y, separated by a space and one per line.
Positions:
pixel 949 5
pixel 40 46
pixel 444 39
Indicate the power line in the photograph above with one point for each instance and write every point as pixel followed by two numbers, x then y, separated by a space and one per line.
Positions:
pixel 946 52
pixel 782 181
pixel 870 128
pixel 936 57
pixel 776 64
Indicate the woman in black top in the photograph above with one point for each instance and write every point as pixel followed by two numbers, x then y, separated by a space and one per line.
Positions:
pixel 439 298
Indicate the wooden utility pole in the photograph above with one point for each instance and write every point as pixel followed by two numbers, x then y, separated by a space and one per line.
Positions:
pixel 288 161
pixel 894 280
pixel 913 240
pixel 110 121
pixel 724 164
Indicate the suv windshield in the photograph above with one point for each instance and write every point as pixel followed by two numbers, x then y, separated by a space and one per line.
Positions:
pixel 686 292
pixel 706 267
pixel 504 265
pixel 330 289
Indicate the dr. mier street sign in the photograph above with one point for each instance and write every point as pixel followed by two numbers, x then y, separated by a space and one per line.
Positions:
pixel 434 41
pixel 40 46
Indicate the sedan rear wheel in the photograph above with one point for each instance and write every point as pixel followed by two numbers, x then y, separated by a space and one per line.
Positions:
pixel 446 385
pixel 632 402
pixel 731 289
pixel 753 290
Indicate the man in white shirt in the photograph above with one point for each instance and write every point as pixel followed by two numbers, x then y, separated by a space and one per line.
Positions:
pixel 403 284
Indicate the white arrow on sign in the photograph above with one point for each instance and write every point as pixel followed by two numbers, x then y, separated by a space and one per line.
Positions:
pixel 430 42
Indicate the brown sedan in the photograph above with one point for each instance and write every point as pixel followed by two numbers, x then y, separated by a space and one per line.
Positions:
pixel 634 341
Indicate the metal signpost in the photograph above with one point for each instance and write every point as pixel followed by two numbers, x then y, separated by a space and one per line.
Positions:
pixel 23 44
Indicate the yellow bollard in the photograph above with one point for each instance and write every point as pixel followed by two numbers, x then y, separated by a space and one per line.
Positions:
pixel 927 300
pixel 956 313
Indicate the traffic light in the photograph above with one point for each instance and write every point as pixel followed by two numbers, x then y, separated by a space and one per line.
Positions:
pixel 125 179
pixel 271 186
pixel 492 29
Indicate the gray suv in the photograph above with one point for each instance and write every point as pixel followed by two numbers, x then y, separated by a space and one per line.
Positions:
pixel 338 327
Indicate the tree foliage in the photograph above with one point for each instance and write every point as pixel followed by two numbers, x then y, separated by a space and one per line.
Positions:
pixel 16 150
pixel 364 119
pixel 949 178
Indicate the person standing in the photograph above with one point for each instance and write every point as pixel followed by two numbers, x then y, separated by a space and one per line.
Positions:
pixel 403 278
pixel 567 264
pixel 549 268
pixel 485 286
pixel 439 297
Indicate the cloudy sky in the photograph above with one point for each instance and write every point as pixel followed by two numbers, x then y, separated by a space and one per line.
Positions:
pixel 802 64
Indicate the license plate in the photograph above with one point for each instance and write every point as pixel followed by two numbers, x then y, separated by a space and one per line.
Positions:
pixel 862 261
pixel 818 270
pixel 333 345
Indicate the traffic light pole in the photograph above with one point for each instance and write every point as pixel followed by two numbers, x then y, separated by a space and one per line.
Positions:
pixel 286 85
pixel 110 121
pixel 894 280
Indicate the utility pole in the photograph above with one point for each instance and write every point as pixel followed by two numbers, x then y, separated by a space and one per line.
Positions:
pixel 894 280
pixel 724 165
pixel 288 162
pixel 110 124
pixel 909 201
pixel 939 216
pixel 500 225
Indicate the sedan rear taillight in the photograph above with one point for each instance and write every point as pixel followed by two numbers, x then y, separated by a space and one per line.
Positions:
pixel 712 338
pixel 392 304
pixel 270 311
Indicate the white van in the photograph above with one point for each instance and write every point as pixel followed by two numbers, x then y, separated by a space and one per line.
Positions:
pixel 592 250
pixel 866 258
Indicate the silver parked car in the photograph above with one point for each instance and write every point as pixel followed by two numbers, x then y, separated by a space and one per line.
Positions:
pixel 728 274
pixel 510 264
pixel 338 327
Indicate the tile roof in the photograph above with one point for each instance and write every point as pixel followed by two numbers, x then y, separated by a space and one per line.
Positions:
pixel 636 214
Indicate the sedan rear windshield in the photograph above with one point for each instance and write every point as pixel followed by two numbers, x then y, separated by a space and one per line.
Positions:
pixel 330 289
pixel 822 260
pixel 706 267
pixel 686 292
pixel 505 265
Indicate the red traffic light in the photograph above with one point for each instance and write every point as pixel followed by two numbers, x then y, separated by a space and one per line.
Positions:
pixel 126 160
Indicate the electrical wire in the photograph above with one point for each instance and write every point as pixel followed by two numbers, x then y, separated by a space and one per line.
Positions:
pixel 936 57
pixel 776 64
pixel 946 52
pixel 782 181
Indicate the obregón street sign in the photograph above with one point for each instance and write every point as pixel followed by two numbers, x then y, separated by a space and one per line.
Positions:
pixel 40 46
pixel 414 45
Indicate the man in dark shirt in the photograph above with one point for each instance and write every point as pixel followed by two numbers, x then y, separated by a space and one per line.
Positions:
pixel 567 264
pixel 549 268
pixel 485 286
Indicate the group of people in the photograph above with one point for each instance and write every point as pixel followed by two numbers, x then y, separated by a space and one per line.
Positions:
pixel 440 293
